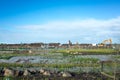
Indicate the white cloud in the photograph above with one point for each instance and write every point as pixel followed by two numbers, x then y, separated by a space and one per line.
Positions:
pixel 77 30
pixel 75 24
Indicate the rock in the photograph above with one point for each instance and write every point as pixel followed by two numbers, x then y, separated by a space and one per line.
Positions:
pixel 30 51
pixel 66 74
pixel 46 73
pixel 21 73
pixel 32 71
pixel 8 72
pixel 17 73
pixel 42 70
pixel 53 71
pixel 26 73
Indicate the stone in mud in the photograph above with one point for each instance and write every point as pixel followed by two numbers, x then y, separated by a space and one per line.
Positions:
pixel 53 71
pixel 32 71
pixel 17 73
pixel 8 72
pixel 66 74
pixel 26 73
pixel 42 70
pixel 46 73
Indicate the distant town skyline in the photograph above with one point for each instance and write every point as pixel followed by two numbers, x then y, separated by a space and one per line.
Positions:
pixel 83 21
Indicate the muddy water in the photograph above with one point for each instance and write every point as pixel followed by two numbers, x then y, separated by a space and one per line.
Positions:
pixel 58 59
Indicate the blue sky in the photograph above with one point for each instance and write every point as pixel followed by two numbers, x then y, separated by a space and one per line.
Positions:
pixel 83 21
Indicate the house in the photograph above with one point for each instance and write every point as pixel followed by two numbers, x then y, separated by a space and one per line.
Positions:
pixel 64 46
pixel 85 45
pixel 53 45
pixel 36 45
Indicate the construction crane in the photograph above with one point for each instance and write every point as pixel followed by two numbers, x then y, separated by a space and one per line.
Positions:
pixel 108 41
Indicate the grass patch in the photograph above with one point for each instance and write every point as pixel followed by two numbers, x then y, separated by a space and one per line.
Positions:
pixel 28 65
pixel 88 51
pixel 54 65
pixel 5 57
pixel 85 60
pixel 10 55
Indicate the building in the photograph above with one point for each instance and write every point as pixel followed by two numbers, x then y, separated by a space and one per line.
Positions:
pixel 53 45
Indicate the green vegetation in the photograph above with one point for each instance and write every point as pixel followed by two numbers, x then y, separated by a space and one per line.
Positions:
pixel 10 55
pixel 87 51
pixel 8 78
pixel 117 57
pixel 5 57
pixel 85 60
pixel 54 65
pixel 65 59
pixel 64 51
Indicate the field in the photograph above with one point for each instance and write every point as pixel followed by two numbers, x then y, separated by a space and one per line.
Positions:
pixel 74 61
